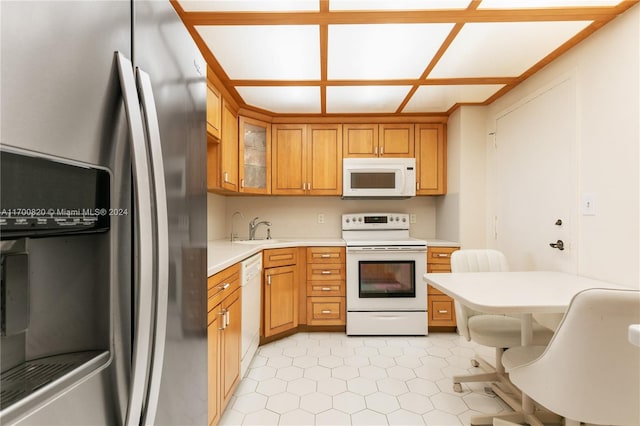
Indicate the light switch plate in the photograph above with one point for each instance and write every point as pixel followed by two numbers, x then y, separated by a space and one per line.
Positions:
pixel 589 204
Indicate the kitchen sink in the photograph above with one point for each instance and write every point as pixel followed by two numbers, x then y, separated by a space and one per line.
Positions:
pixel 256 242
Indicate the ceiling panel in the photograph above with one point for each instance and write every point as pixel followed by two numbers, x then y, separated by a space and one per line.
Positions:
pixel 321 57
pixel 529 4
pixel 265 52
pixel 385 51
pixel 442 97
pixel 365 99
pixel 397 4
pixel 502 49
pixel 249 5
pixel 283 100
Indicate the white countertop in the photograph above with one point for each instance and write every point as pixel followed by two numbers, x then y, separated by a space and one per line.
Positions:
pixel 432 242
pixel 223 253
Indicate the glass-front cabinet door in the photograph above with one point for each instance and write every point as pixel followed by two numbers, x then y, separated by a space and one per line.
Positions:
pixel 255 156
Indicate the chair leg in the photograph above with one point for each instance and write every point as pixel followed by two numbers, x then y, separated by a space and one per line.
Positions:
pixel 491 376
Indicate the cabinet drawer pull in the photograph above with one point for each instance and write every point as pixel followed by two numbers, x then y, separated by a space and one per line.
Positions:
pixel 326 272
pixel 442 311
pixel 442 255
pixel 325 255
pixel 326 312
pixel 326 288
pixel 268 279
pixel 241 183
pixel 224 286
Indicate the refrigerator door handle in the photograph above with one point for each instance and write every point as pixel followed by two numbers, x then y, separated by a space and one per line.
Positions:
pixel 162 244
pixel 144 233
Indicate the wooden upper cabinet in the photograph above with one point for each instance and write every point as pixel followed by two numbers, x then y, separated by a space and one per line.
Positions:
pixel 431 159
pixel 324 161
pixel 254 156
pixel 288 159
pixel 396 141
pixel 360 140
pixel 229 148
pixel 378 140
pixel 214 108
pixel 306 159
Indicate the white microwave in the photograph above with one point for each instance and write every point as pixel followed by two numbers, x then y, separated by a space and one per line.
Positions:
pixel 378 177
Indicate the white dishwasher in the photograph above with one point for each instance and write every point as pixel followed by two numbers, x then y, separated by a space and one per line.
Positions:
pixel 251 280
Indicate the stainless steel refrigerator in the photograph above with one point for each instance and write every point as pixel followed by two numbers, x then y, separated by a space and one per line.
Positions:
pixel 102 215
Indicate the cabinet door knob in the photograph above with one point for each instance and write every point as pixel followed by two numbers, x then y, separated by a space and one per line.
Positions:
pixel 268 279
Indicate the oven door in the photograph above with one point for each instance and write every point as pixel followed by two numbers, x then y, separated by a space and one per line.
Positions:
pixel 386 279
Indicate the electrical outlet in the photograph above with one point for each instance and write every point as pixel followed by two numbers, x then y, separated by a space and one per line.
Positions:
pixel 412 218
pixel 320 218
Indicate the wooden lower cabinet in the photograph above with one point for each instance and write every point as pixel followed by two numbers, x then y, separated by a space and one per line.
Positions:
pixel 280 299
pixel 326 303
pixel 280 290
pixel 213 367
pixel 440 307
pixel 223 339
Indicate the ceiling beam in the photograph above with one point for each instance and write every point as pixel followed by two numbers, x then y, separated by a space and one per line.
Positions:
pixel 395 82
pixel 325 17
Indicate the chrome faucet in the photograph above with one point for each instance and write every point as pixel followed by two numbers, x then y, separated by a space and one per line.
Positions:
pixel 253 225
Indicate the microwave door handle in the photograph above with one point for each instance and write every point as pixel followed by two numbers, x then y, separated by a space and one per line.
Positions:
pixel 144 236
pixel 162 244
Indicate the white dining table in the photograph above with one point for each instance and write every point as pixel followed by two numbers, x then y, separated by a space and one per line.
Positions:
pixel 523 293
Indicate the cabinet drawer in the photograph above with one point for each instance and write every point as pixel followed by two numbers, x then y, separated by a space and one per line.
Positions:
pixel 441 311
pixel 325 272
pixel 280 257
pixel 326 311
pixel 440 254
pixel 325 255
pixel 438 267
pixel 222 284
pixel 325 288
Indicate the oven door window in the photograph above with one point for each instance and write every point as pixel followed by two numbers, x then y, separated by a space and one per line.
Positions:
pixel 381 279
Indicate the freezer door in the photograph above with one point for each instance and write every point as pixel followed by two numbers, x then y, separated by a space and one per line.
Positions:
pixel 61 97
pixel 165 51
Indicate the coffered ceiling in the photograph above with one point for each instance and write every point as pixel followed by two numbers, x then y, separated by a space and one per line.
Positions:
pixel 383 57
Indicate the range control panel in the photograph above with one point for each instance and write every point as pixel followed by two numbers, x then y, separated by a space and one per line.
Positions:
pixel 356 221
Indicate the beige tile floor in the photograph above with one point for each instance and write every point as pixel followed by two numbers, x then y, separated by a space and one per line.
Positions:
pixel 334 379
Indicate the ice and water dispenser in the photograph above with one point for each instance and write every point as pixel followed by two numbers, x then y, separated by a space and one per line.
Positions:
pixel 55 268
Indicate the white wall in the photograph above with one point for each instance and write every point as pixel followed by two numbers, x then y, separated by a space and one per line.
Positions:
pixel 216 217
pixel 606 67
pixel 297 217
pixel 461 213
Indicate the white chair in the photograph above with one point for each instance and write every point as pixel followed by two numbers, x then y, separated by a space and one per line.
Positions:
pixel 496 331
pixel 589 372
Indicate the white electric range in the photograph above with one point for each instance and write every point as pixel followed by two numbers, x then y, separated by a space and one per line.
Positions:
pixel 385 292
